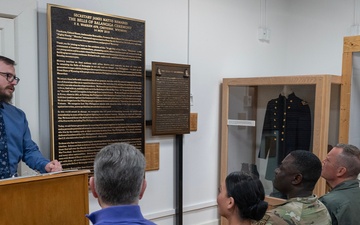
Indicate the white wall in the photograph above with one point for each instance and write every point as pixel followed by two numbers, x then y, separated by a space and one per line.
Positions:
pixel 315 31
pixel 218 39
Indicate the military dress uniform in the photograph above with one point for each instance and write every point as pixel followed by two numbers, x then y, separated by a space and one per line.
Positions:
pixel 287 127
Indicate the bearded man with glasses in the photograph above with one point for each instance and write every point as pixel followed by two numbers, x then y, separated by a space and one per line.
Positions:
pixel 15 138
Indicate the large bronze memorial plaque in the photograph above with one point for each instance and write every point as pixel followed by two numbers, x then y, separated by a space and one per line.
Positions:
pixel 170 98
pixel 97 83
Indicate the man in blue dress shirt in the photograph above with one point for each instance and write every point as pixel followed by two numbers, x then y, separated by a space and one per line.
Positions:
pixel 119 184
pixel 20 146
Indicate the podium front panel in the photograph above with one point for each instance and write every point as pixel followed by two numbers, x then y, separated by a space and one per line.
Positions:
pixel 60 198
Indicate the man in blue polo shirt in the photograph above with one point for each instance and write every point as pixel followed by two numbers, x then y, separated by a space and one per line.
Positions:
pixel 118 183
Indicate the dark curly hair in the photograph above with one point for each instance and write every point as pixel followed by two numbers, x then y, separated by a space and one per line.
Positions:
pixel 309 165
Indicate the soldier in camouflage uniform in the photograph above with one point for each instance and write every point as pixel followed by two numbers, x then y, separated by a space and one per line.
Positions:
pixel 296 177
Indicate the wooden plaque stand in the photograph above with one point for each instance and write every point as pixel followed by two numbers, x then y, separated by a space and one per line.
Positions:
pixel 58 198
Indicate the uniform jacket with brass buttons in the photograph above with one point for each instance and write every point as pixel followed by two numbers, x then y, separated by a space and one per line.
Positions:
pixel 287 123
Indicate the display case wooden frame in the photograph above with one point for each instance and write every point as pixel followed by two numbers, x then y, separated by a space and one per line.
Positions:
pixel 351 45
pixel 321 113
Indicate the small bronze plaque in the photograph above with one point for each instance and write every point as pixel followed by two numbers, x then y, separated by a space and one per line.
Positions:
pixel 193 121
pixel 170 98
pixel 152 156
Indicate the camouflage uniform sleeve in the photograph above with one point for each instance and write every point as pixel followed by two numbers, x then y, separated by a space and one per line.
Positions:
pixel 278 216
pixel 263 221
pixel 275 217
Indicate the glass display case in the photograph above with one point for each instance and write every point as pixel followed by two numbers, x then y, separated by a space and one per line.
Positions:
pixel 251 105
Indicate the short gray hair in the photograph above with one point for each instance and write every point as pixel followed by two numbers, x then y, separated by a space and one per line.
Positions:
pixel 119 171
pixel 349 158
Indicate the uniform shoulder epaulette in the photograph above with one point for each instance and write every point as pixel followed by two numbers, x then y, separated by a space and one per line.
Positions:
pixel 264 220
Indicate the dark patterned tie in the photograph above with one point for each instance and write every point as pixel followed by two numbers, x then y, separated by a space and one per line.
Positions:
pixel 4 155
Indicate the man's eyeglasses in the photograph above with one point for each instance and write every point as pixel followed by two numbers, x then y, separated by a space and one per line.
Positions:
pixel 10 77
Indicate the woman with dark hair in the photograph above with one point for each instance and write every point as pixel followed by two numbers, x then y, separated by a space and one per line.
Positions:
pixel 241 199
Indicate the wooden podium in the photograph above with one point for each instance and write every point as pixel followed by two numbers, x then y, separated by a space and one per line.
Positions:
pixel 55 198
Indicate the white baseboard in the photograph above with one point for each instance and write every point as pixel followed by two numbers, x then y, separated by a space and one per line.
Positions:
pixel 200 206
pixel 186 209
